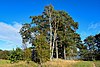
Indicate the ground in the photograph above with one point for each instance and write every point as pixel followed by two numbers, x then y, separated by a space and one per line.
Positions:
pixel 53 63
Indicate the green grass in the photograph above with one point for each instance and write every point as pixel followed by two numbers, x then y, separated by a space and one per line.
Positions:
pixel 84 64
pixel 4 61
pixel 97 63
pixel 24 64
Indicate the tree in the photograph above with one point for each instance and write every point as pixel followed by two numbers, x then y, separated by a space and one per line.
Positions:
pixel 90 50
pixel 58 29
pixel 90 42
pixel 42 48
pixel 0 49
pixel 65 32
pixel 61 22
pixel 83 52
pixel 97 41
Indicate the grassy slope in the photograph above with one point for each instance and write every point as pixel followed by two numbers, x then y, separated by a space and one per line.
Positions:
pixel 6 63
pixel 53 63
pixel 97 63
pixel 68 63
pixel 59 63
pixel 84 64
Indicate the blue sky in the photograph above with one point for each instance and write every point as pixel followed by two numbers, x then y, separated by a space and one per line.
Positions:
pixel 15 12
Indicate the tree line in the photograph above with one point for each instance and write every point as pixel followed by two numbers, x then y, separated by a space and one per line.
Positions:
pixel 16 55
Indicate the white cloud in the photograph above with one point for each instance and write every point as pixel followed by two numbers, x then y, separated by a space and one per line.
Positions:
pixel 94 25
pixel 10 33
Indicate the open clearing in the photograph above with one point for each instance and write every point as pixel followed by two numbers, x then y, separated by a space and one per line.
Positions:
pixel 53 63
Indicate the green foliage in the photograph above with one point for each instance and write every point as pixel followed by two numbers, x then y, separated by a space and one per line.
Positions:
pixel 90 50
pixel 12 56
pixel 19 54
pixel 16 55
pixel 0 50
pixel 97 41
pixel 42 48
pixel 27 54
pixel 4 54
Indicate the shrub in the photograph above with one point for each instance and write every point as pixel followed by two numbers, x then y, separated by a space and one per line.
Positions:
pixel 16 55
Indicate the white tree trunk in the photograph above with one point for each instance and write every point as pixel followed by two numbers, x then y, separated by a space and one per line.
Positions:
pixel 54 38
pixel 64 53
pixel 50 36
pixel 53 43
pixel 56 50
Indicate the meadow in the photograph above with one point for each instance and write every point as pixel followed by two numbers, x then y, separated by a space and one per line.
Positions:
pixel 53 63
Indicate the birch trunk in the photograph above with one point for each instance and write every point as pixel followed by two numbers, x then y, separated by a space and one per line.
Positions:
pixel 64 53
pixel 56 50
pixel 53 43
pixel 64 46
pixel 50 37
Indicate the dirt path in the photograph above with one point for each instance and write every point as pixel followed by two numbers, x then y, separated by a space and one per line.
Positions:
pixel 94 65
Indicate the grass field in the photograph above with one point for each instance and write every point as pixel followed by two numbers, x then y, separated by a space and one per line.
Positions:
pixel 84 64
pixel 6 63
pixel 97 63
pixel 53 63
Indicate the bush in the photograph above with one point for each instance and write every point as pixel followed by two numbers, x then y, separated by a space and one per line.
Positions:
pixel 4 54
pixel 16 55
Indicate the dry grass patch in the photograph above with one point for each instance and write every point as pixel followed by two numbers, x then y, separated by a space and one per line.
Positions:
pixel 59 63
pixel 53 63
